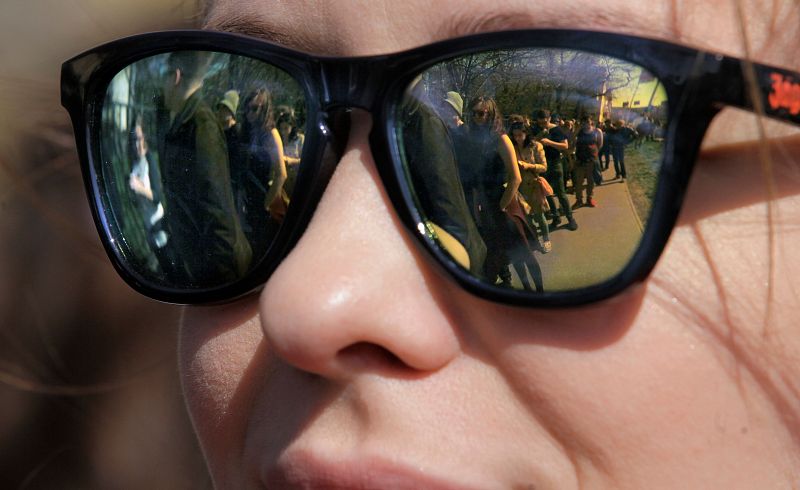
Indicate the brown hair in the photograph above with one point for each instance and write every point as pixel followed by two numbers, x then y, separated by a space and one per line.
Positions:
pixel 495 122
pixel 265 119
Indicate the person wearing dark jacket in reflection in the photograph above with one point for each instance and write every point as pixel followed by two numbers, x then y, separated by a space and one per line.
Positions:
pixel 621 135
pixel 198 202
pixel 555 141
pixel 431 162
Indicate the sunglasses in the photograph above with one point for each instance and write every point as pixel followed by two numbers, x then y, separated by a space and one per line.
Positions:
pixel 223 210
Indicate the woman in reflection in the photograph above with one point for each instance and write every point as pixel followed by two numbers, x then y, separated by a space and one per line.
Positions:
pixel 145 182
pixel 532 164
pixel 292 140
pixel 588 142
pixel 488 167
pixel 265 200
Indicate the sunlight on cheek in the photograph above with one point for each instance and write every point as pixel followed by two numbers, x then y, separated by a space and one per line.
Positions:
pixel 738 126
pixel 717 270
pixel 660 387
pixel 214 359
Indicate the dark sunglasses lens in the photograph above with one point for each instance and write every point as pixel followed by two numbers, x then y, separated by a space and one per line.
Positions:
pixel 588 175
pixel 194 177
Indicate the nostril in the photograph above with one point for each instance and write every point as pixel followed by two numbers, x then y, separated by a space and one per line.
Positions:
pixel 367 356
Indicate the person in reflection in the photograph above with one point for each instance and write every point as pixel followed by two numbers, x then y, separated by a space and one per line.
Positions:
pixel 554 140
pixel 450 110
pixel 454 105
pixel 292 140
pixel 430 157
pixel 145 182
pixel 605 154
pixel 226 115
pixel 620 136
pixel 532 164
pixel 568 127
pixel 266 201
pixel 645 128
pixel 588 142
pixel 198 204
pixel 491 175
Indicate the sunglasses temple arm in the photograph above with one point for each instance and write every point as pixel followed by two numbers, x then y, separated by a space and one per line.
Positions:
pixel 765 90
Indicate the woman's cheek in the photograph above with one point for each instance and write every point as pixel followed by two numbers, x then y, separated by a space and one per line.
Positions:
pixel 659 401
pixel 218 361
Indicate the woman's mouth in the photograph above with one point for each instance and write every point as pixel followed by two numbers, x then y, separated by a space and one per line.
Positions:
pixel 304 470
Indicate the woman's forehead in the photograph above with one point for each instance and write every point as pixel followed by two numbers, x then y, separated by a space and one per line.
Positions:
pixel 350 28
pixel 369 27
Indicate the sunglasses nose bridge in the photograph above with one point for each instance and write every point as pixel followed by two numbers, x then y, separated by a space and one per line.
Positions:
pixel 352 83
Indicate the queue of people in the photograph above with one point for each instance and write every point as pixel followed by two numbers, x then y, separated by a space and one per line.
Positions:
pixel 515 173
pixel 495 191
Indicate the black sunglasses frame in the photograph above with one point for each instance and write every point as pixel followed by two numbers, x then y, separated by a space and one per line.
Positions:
pixel 698 84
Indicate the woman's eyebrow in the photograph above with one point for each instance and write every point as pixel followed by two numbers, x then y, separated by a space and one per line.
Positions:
pixel 252 25
pixel 564 17
pixel 466 23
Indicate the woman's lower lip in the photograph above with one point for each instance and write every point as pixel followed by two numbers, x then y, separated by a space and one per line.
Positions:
pixel 303 470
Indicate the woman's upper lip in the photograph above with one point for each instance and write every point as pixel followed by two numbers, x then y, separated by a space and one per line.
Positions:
pixel 304 470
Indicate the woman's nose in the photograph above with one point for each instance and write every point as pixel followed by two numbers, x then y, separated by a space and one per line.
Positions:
pixel 355 294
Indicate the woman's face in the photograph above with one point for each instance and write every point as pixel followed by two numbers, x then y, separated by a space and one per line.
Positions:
pixel 254 108
pixel 140 143
pixel 361 365
pixel 284 128
pixel 518 136
pixel 480 114
pixel 225 117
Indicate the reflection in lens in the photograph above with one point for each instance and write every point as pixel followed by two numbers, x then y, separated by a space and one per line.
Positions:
pixel 581 134
pixel 198 156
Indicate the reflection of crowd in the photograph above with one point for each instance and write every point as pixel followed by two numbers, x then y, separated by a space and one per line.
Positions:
pixel 493 189
pixel 225 175
pixel 514 175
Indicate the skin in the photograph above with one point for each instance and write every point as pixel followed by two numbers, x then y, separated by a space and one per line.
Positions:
pixel 284 129
pixel 518 137
pixel 225 118
pixel 455 119
pixel 359 351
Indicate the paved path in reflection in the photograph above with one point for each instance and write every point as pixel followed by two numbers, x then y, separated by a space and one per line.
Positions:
pixel 606 237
